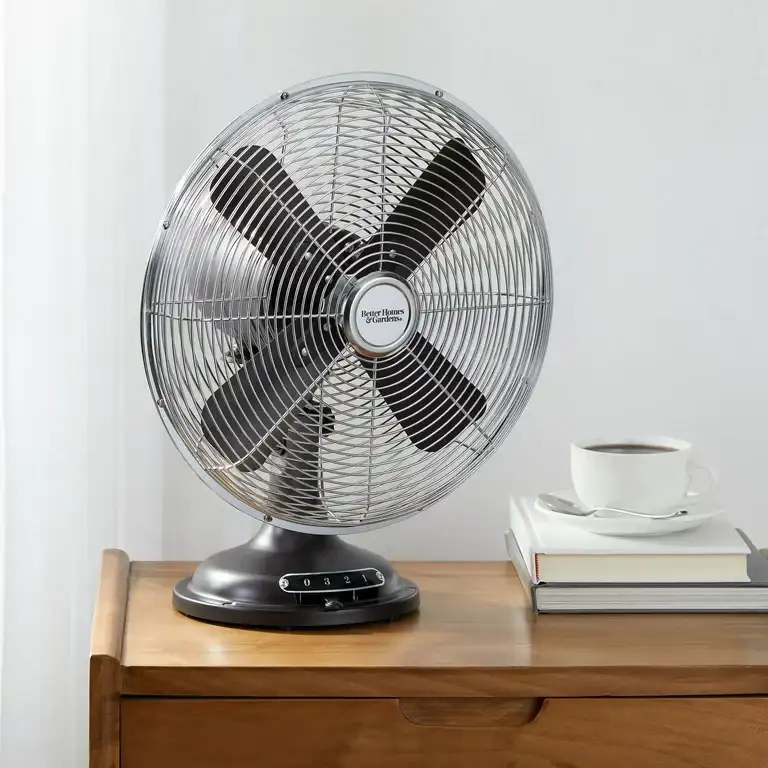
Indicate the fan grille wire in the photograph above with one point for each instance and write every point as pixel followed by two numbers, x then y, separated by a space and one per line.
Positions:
pixel 353 147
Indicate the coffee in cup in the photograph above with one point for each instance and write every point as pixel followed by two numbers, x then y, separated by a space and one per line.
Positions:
pixel 629 448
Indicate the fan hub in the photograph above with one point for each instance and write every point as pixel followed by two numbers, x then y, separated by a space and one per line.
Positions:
pixel 381 314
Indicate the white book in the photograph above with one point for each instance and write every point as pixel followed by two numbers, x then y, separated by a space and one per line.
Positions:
pixel 727 597
pixel 556 552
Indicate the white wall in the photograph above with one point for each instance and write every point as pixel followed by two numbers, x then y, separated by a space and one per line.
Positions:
pixel 643 127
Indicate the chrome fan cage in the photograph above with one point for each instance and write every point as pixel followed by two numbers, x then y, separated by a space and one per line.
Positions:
pixel 353 145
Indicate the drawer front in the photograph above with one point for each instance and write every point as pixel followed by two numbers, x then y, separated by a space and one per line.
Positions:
pixel 443 733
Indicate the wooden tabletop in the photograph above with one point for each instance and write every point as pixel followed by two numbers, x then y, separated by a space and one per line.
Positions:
pixel 474 636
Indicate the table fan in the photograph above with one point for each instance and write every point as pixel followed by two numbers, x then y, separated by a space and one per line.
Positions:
pixel 345 311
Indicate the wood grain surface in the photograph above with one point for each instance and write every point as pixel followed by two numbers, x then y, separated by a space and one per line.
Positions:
pixel 349 733
pixel 474 636
pixel 106 652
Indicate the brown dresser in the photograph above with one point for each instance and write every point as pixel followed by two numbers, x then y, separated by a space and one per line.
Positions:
pixel 473 680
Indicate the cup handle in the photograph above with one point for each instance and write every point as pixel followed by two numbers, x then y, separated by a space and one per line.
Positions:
pixel 695 468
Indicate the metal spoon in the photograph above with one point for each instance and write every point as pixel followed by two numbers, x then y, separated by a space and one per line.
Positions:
pixel 559 504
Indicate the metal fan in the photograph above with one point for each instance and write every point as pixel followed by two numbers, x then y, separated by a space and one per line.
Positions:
pixel 345 311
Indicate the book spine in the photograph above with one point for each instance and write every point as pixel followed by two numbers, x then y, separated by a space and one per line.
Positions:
pixel 525 536
pixel 521 569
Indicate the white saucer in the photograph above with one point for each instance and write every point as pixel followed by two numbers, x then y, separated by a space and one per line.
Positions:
pixel 616 524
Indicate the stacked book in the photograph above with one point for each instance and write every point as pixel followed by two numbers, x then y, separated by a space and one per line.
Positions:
pixel 565 569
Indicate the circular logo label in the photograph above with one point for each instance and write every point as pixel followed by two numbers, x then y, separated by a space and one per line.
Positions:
pixel 382 315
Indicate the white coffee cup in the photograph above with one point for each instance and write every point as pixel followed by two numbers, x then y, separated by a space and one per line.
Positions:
pixel 651 475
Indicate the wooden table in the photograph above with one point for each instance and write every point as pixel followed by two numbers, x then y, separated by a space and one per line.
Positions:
pixel 472 680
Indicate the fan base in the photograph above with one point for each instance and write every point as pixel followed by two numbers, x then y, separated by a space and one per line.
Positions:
pixel 241 586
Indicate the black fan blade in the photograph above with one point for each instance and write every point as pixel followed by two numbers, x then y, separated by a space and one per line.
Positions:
pixel 240 417
pixel 255 194
pixel 445 194
pixel 431 398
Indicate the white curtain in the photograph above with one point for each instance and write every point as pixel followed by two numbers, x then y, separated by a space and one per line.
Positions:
pixel 84 190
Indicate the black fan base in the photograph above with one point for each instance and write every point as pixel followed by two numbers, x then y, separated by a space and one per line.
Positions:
pixel 241 586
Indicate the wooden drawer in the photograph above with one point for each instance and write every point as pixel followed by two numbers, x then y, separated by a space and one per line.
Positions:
pixel 441 733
